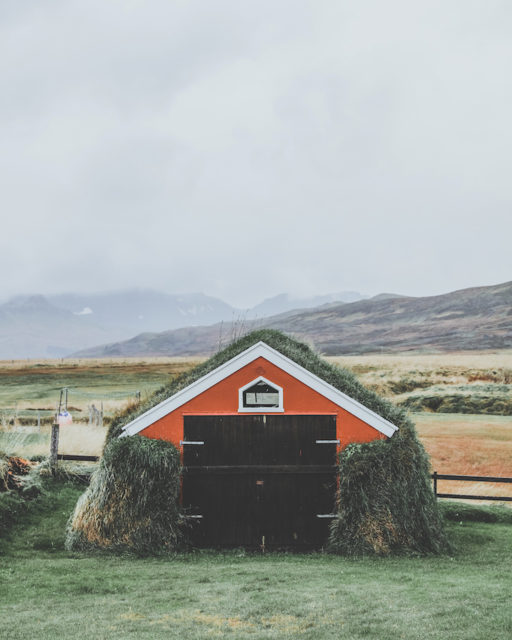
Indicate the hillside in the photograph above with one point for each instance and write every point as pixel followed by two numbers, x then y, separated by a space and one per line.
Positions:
pixel 475 318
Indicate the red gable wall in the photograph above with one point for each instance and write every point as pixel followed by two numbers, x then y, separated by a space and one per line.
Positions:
pixel 298 398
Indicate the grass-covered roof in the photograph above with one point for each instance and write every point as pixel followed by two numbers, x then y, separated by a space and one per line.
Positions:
pixel 297 351
pixel 385 501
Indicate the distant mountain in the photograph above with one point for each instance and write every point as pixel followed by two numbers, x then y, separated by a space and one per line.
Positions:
pixel 138 310
pixel 284 302
pixel 32 327
pixel 476 318
pixel 53 326
pixel 56 325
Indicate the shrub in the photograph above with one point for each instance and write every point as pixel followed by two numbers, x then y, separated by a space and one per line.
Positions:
pixel 16 492
pixel 406 385
pixel 460 403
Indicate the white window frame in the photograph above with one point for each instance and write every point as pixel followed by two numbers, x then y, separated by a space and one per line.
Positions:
pixel 275 386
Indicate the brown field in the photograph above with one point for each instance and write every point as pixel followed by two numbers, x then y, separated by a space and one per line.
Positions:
pixel 473 445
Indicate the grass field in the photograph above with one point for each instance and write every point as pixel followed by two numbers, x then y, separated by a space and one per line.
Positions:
pixel 47 593
pixel 28 386
pixel 482 381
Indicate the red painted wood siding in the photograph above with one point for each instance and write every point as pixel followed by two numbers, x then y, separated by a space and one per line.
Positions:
pixel 298 398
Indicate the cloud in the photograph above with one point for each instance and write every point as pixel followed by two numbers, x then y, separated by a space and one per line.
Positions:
pixel 244 150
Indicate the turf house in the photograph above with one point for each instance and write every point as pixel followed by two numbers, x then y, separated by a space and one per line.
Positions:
pixel 263 446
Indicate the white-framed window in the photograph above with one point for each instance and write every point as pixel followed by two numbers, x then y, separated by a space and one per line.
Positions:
pixel 260 395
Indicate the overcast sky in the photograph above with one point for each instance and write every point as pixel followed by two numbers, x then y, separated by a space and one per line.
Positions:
pixel 244 148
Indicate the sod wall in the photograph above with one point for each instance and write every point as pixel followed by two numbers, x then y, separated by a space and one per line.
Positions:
pixel 132 502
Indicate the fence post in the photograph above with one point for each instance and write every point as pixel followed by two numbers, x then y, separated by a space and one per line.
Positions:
pixel 434 475
pixel 54 446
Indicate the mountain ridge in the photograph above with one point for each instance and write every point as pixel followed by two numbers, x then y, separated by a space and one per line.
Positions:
pixel 465 319
pixel 56 325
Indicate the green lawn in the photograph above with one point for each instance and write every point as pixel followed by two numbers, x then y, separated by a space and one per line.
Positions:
pixel 46 592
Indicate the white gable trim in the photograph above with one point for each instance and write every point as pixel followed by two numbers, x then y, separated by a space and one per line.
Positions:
pixel 242 409
pixel 259 350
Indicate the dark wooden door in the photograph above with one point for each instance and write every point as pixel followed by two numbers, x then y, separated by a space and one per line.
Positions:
pixel 252 480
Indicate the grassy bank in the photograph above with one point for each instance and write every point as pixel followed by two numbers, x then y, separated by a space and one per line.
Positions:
pixel 46 592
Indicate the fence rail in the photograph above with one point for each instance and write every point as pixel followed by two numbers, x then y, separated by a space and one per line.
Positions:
pixel 77 458
pixel 435 477
pixel 464 496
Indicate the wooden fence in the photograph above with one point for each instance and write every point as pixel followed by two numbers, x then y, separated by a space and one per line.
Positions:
pixel 464 496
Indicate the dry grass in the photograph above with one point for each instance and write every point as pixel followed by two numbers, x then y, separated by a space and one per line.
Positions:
pixel 78 439
pixel 440 369
pixel 456 383
pixel 89 363
pixel 420 361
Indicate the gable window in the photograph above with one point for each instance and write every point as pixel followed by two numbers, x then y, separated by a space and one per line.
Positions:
pixel 260 395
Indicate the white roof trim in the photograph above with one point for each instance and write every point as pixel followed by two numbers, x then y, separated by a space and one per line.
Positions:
pixel 259 350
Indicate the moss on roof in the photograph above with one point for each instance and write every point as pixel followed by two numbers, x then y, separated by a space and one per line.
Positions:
pixel 293 349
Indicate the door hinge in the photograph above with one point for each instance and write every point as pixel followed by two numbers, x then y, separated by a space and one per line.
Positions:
pixel 327 441
pixel 182 442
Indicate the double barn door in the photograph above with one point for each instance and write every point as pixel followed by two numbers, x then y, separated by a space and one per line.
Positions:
pixel 259 480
